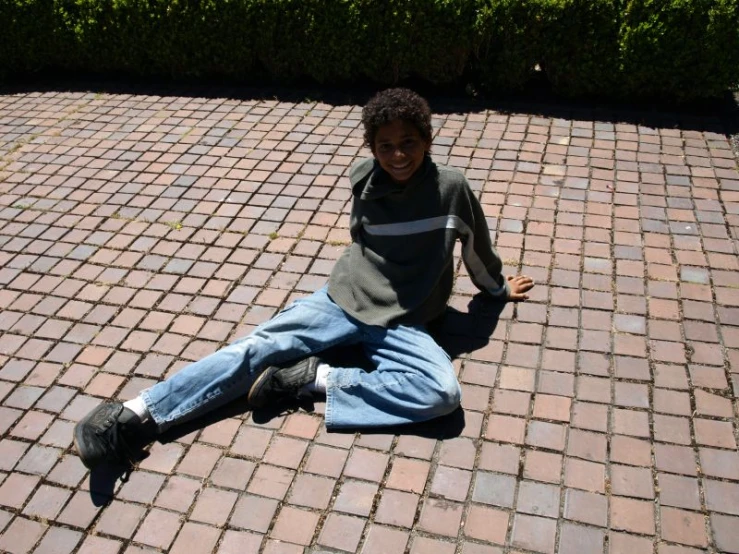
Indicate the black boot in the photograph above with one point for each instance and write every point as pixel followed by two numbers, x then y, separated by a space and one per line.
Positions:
pixel 111 434
pixel 275 383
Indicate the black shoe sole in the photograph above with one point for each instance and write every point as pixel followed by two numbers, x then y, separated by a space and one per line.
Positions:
pixel 79 451
pixel 258 385
pixel 79 443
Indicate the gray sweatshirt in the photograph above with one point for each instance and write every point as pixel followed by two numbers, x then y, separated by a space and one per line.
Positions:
pixel 399 268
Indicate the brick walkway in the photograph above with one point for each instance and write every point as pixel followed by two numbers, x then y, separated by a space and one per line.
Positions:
pixel 140 232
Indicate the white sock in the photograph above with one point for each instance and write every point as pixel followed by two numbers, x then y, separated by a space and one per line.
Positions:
pixel 138 406
pixel 321 382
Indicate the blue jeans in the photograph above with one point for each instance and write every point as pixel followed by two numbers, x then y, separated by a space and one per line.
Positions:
pixel 413 379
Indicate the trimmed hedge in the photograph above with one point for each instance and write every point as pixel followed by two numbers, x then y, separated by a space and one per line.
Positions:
pixel 672 49
pixel 581 53
pixel 678 45
pixel 508 42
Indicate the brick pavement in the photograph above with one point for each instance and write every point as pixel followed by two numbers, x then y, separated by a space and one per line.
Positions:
pixel 140 232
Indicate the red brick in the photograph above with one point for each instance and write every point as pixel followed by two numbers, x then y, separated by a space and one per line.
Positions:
pixel 722 496
pixel 233 473
pixel 500 457
pixel 220 433
pixel 253 513
pixel 458 452
pixel 494 489
pixel 366 464
pixel 511 402
pixel 552 407
pixel 385 540
pixel 301 425
pixel 178 493
pixel 251 442
pixel 21 535
pixel 505 429
pixel 590 446
pixel 296 526
pixel 99 545
pixel 199 460
pixel 158 529
pixel 714 433
pixel 195 539
pixel 486 524
pixel 423 545
pixel 683 527
pixel 286 452
pixel 141 487
pixel 725 531
pixel 47 502
pixel 397 508
pixel 120 519
pixel 451 483
pixel 16 489
pixel 675 459
pixel 326 461
pixel 542 466
pixel 356 498
pixel 342 532
pixel 712 405
pixel 586 507
pixel 441 517
pixel 406 474
pixel 679 491
pixel 517 378
pixel 534 533
pixel 584 475
pixel 720 463
pixel 630 422
pixel 632 481
pixel 575 539
pixel 538 499
pixel 213 506
pixel 270 481
pixel 546 435
pixel 623 543
pixel 635 516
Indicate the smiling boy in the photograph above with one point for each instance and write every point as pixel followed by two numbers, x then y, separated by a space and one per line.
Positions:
pixel 394 278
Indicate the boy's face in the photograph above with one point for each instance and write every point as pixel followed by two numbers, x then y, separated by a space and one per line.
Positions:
pixel 399 148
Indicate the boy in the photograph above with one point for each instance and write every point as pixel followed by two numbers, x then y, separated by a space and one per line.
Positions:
pixel 395 277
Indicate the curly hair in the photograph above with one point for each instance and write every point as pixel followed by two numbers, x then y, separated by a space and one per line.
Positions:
pixel 392 104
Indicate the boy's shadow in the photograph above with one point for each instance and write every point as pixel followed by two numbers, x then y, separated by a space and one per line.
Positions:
pixel 458 333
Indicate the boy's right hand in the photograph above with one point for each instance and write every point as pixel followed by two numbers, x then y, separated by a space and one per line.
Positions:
pixel 519 286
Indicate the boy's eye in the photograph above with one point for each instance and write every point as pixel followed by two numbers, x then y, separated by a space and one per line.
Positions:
pixel 386 147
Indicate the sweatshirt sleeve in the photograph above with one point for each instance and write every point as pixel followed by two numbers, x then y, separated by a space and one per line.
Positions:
pixel 358 177
pixel 480 258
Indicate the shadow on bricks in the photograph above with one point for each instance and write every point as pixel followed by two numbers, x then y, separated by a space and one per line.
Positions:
pixel 457 332
pixel 105 479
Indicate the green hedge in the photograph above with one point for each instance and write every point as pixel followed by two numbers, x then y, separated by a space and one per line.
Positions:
pixel 673 49
pixel 679 45
pixel 581 52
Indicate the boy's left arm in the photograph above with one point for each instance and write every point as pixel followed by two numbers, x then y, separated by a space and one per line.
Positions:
pixel 483 262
